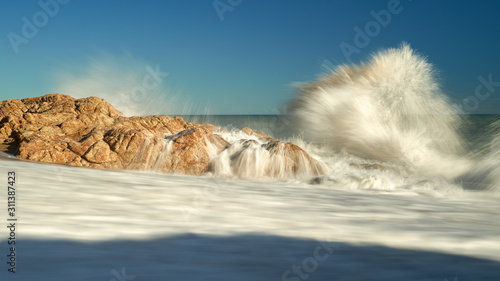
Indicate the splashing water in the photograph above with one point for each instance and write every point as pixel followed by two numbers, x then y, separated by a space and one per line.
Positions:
pixel 249 157
pixel 384 124
pixel 130 85
pixel 389 110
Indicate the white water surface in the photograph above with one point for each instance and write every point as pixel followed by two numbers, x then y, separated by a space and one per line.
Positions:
pixel 89 224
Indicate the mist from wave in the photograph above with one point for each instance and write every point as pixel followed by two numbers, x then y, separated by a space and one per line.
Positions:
pixel 131 85
pixel 384 124
pixel 392 111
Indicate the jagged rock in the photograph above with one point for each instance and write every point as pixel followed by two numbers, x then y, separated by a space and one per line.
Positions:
pixel 294 159
pixel 90 132
pixel 212 128
pixel 262 136
pixel 53 116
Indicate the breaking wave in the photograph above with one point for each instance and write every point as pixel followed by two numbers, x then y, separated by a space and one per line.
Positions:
pixel 383 124
pixel 392 111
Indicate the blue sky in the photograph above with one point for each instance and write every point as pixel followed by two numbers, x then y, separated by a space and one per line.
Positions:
pixel 242 60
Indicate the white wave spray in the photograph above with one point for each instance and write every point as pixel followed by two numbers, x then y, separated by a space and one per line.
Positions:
pixel 390 110
pixel 132 86
pixel 247 156
pixel 485 173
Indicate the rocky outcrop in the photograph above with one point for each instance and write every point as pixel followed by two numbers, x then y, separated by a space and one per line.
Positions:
pixel 90 132
pixel 265 137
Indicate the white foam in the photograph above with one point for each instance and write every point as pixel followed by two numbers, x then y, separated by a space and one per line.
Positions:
pixel 391 111
pixel 80 204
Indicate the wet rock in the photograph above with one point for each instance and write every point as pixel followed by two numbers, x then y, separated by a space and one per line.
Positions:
pixel 293 159
pixel 262 136
pixel 90 132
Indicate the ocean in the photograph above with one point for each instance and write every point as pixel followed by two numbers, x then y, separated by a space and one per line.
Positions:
pixel 409 191
pixel 87 224
pixel 477 130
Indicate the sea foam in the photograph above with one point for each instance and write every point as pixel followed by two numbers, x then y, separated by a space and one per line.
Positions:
pixel 390 110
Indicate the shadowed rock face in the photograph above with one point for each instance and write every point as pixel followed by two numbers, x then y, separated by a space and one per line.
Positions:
pixel 90 132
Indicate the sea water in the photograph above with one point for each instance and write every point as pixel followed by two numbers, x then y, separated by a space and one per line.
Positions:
pixel 88 224
pixel 410 192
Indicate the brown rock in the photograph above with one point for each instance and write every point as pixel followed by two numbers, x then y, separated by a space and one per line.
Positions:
pixel 293 160
pixel 99 153
pixel 89 132
pixel 46 150
pixel 262 136
pixel 192 149
pixel 212 128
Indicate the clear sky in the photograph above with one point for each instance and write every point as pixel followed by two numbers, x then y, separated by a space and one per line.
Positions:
pixel 237 56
